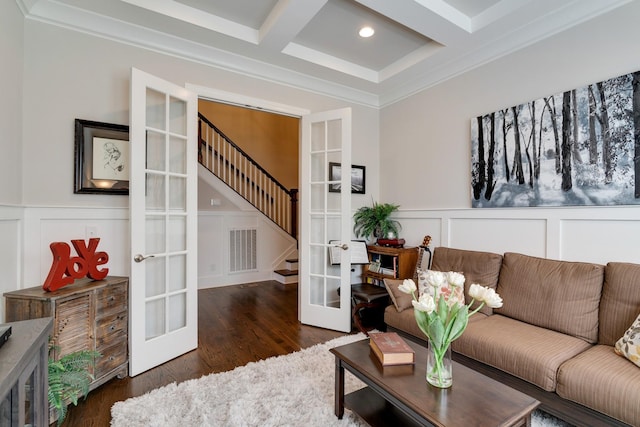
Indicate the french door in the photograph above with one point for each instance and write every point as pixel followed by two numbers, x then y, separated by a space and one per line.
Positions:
pixel 325 289
pixel 163 217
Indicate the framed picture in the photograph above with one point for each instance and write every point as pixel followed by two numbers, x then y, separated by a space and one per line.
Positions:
pixel 101 158
pixel 357 178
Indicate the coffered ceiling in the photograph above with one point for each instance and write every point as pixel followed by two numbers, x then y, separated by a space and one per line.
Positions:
pixel 314 44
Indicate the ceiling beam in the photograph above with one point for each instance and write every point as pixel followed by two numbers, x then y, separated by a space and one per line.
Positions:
pixel 286 20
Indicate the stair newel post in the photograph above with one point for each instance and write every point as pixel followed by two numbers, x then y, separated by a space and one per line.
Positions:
pixel 294 212
pixel 200 142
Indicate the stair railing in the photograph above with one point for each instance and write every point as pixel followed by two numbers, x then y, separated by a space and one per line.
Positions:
pixel 240 172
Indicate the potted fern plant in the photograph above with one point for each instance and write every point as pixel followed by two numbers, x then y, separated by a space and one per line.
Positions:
pixel 69 378
pixel 376 221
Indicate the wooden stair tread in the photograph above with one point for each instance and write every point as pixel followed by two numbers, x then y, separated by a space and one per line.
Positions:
pixel 292 260
pixel 287 272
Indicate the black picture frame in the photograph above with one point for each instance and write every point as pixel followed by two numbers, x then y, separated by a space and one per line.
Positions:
pixel 358 178
pixel 105 172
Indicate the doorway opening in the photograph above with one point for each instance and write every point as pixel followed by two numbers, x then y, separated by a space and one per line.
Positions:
pixel 248 156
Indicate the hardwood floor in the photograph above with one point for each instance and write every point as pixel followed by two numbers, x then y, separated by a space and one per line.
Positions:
pixel 236 325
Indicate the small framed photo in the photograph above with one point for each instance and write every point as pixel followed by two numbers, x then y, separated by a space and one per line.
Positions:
pixel 357 178
pixel 101 158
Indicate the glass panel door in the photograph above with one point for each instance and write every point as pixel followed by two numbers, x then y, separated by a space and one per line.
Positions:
pixel 163 219
pixel 325 290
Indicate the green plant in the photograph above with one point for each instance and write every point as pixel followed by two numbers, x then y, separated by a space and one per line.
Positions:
pixel 69 378
pixel 375 220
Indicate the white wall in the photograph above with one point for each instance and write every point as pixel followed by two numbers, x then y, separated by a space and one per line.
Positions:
pixel 55 75
pixel 69 74
pixel 426 149
pixel 274 245
pixel 11 52
pixel 11 65
pixel 417 151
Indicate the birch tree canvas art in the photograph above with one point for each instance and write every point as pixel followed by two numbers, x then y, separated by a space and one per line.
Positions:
pixel 579 148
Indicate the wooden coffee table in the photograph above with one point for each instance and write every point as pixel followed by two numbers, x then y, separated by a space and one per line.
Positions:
pixel 400 395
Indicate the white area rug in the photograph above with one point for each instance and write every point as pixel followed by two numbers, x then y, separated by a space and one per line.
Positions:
pixel 292 390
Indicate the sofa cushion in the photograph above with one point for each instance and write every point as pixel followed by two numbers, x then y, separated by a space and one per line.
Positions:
pixel 401 300
pixel 600 379
pixel 629 345
pixel 478 267
pixel 559 295
pixel 404 321
pixel 620 302
pixel 528 352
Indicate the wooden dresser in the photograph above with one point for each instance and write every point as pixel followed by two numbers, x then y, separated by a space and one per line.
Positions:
pixel 88 315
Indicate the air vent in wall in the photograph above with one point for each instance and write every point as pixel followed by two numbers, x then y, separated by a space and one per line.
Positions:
pixel 242 250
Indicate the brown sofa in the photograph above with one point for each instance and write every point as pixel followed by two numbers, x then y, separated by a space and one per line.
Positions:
pixel 554 336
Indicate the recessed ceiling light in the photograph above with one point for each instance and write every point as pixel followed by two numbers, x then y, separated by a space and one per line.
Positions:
pixel 366 32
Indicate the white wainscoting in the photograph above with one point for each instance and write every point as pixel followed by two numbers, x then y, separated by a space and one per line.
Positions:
pixel 576 234
pixel 10 251
pixel 274 246
pixel 40 226
pixel 599 234
pixel 44 225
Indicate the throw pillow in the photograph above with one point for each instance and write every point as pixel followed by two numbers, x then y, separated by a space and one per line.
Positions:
pixel 629 345
pixel 421 280
pixel 401 300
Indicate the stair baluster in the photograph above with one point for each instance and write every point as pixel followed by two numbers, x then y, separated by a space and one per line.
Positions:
pixel 240 172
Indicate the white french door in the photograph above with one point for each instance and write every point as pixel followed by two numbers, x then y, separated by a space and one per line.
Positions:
pixel 325 288
pixel 163 217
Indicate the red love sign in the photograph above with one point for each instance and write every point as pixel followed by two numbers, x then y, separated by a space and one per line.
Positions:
pixel 65 269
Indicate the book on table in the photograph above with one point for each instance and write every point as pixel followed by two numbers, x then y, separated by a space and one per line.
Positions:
pixel 391 349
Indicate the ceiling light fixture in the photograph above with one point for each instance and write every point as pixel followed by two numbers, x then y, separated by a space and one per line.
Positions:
pixel 366 32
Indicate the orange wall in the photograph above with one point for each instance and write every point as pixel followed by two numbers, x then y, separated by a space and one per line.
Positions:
pixel 268 138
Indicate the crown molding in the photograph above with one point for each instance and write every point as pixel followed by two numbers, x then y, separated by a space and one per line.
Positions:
pixel 415 73
pixel 75 19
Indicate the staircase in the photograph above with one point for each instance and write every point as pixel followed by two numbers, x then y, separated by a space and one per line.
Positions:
pixel 289 274
pixel 229 163
pixel 223 158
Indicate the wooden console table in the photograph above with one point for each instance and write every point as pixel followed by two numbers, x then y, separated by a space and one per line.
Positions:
pixel 23 374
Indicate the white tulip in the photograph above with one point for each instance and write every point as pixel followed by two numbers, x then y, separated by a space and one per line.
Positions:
pixel 408 286
pixel 492 299
pixel 436 279
pixel 425 303
pixel 455 279
pixel 477 292
pixel 486 295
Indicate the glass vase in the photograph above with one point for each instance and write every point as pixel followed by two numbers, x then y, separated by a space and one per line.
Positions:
pixel 439 366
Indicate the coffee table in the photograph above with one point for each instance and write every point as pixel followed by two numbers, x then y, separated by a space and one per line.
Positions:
pixel 400 395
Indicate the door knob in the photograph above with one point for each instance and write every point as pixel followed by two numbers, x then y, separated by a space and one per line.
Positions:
pixel 343 246
pixel 140 257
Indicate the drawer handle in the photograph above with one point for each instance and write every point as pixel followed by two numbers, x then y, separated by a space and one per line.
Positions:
pixel 112 328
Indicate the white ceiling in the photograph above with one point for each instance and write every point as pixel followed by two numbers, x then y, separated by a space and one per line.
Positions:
pixel 313 44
